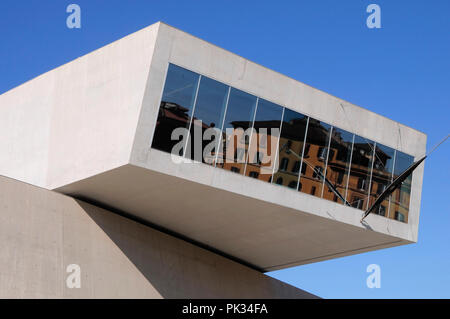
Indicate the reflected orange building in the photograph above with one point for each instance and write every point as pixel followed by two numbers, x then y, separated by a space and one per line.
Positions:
pixel 255 155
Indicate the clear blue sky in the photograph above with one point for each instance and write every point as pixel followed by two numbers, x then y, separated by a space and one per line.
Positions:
pixel 401 71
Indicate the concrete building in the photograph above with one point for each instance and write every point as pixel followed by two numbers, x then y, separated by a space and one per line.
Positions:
pixel 91 178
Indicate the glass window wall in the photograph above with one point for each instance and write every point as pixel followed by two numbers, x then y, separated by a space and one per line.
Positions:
pixel 242 133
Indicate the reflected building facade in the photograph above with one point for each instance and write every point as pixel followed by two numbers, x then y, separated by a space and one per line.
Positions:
pixel 262 140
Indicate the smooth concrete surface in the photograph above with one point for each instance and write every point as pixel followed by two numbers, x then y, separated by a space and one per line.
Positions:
pixel 73 128
pixel 42 232
pixel 78 119
pixel 266 235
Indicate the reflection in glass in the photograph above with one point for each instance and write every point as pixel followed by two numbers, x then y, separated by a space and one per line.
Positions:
pixel 400 197
pixel 358 184
pixel 381 176
pixel 290 148
pixel 236 131
pixel 263 144
pixel 338 163
pixel 175 108
pixel 316 152
pixel 209 109
pixel 303 150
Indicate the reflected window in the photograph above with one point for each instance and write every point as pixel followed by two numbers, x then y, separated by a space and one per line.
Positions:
pixel 238 122
pixel 209 110
pixel 264 140
pixel 292 184
pixel 235 169
pixel 304 168
pixel 399 208
pixel 253 174
pixel 317 140
pixel 359 178
pixel 381 188
pixel 284 164
pixel 383 166
pixel 381 210
pixel 296 167
pixel 362 183
pixel 357 202
pixel 399 216
pixel 175 109
pixel 290 148
pixel 340 178
pixel 338 164
pixel 322 153
pixel 306 151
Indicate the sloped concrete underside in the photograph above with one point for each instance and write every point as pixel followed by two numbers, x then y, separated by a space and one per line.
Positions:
pixel 42 232
pixel 259 233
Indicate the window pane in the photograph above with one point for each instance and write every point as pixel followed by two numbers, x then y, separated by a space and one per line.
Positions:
pixel 290 148
pixel 338 162
pixel 316 150
pixel 236 130
pixel 176 107
pixel 208 116
pixel 263 145
pixel 381 174
pixel 400 198
pixel 358 185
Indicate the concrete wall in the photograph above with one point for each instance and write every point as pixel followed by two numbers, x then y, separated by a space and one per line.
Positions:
pixel 41 232
pixel 25 114
pixel 78 119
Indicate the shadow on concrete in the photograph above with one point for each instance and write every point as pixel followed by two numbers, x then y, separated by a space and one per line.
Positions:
pixel 179 269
